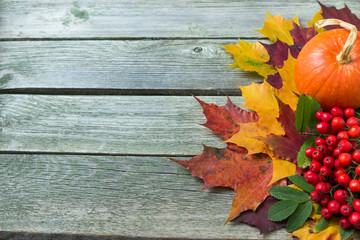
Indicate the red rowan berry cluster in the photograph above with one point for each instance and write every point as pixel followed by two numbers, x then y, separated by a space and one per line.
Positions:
pixel 335 166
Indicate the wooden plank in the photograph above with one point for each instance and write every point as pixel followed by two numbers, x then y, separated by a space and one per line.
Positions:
pixel 197 65
pixel 132 196
pixel 23 19
pixel 158 125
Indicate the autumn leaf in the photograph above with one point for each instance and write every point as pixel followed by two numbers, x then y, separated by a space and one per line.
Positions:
pixel 318 16
pixel 282 169
pixel 250 57
pixel 306 232
pixel 259 218
pixel 225 120
pixel 248 175
pixel 275 80
pixel 344 14
pixel 302 35
pixel 285 146
pixel 278 53
pixel 277 27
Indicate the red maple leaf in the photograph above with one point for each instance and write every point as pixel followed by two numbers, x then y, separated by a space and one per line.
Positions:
pixel 231 167
pixel 285 146
pixel 302 35
pixel 344 14
pixel 225 120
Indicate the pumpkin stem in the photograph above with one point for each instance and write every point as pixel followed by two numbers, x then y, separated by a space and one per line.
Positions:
pixel 344 56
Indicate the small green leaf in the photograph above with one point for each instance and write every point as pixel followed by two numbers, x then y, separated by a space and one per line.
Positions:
pixel 298 218
pixel 346 233
pixel 288 193
pixel 321 225
pixel 318 210
pixel 302 160
pixel 301 182
pixel 282 210
pixel 315 106
pixel 302 115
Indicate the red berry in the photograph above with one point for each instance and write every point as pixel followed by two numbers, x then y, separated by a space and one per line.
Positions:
pixel 326 117
pixel 344 222
pixel 345 210
pixel 311 178
pixel 356 205
pixel 320 141
pixel 336 152
pixel 322 187
pixel 315 166
pixel 353 121
pixel 325 212
pixel 354 144
pixel 323 127
pixel 357 170
pixel 323 148
pixel 325 171
pixel 339 171
pixel 345 159
pixel 331 140
pixel 354 219
pixel 345 146
pixel 356 156
pixel 349 112
pixel 340 196
pixel 354 131
pixel 329 161
pixel 343 180
pixel 334 206
pixel 324 200
pixel 315 196
pixel 338 123
pixel 309 151
pixel 354 186
pixel 337 112
pixel 332 179
pixel 318 115
pixel 343 135
pixel 317 155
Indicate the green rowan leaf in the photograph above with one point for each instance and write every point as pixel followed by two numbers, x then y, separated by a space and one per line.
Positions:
pixel 301 182
pixel 321 225
pixel 288 193
pixel 346 233
pixel 302 160
pixel 298 218
pixel 282 210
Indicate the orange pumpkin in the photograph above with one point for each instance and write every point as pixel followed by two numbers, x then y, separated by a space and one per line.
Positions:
pixel 328 67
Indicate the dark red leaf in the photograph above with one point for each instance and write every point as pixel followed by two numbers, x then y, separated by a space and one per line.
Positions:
pixel 248 175
pixel 302 35
pixel 278 53
pixel 344 14
pixel 285 146
pixel 259 218
pixel 275 80
pixel 224 120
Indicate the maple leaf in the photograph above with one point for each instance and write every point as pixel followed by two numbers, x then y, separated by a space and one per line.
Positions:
pixel 224 120
pixel 285 146
pixel 306 232
pixel 232 167
pixel 278 53
pixel 275 80
pixel 318 16
pixel 302 35
pixel 344 14
pixel 282 169
pixel 250 57
pixel 259 218
pixel 277 27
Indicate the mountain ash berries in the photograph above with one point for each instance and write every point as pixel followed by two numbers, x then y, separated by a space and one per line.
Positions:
pixel 335 166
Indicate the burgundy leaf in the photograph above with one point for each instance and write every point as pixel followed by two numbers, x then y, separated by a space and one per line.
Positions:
pixel 224 120
pixel 259 218
pixel 302 35
pixel 275 80
pixel 278 53
pixel 344 14
pixel 294 50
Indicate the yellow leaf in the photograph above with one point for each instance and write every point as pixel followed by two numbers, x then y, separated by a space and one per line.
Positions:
pixel 277 27
pixel 313 214
pixel 287 93
pixel 251 57
pixel 332 232
pixel 316 18
pixel 281 169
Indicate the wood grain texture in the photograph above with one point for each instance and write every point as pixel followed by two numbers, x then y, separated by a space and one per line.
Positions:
pixel 23 19
pixel 198 65
pixel 130 196
pixel 154 125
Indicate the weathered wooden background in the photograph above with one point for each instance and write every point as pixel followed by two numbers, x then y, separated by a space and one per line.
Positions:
pixel 96 95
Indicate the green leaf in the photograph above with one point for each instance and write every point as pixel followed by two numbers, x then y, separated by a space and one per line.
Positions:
pixel 281 210
pixel 288 193
pixel 302 116
pixel 301 182
pixel 298 218
pixel 346 233
pixel 302 160
pixel 321 225
pixel 318 210
pixel 315 106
